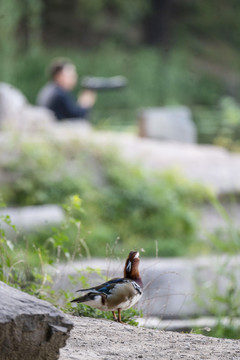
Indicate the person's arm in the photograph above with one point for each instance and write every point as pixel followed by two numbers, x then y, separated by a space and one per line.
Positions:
pixel 69 109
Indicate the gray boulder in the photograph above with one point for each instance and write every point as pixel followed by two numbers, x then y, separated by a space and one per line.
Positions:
pixel 30 328
pixel 168 123
pixel 16 113
pixel 210 165
pixel 12 102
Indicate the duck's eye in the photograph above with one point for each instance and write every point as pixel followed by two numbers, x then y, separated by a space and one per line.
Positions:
pixel 129 266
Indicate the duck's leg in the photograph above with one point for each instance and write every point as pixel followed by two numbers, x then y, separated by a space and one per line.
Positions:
pixel 114 316
pixel 119 316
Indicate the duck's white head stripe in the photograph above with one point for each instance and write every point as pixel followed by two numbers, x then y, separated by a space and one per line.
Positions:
pixel 129 266
pixel 136 256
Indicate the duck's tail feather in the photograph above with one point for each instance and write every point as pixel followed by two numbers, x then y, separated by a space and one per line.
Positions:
pixel 83 290
pixel 92 297
pixel 85 298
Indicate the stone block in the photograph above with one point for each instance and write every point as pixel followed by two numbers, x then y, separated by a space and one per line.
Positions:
pixel 28 218
pixel 168 123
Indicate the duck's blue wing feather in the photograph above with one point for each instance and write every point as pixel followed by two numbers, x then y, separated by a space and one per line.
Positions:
pixel 107 286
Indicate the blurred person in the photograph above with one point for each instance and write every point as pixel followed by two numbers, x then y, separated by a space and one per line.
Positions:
pixel 56 95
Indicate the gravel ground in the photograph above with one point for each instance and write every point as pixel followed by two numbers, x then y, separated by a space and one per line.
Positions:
pixel 93 339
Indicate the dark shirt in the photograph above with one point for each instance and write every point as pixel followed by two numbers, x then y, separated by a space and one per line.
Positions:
pixel 60 102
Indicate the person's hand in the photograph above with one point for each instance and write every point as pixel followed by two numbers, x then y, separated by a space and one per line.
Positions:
pixel 87 99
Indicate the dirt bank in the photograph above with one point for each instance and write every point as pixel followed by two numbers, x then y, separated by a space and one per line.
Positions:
pixel 101 339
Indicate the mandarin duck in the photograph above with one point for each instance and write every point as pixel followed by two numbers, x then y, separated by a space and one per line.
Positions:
pixel 119 293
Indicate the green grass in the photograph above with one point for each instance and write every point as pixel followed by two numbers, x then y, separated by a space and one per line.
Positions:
pixel 128 316
pixel 220 331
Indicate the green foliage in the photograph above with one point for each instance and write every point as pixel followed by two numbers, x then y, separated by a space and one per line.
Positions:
pixel 88 23
pixel 220 331
pixel 229 120
pixel 6 248
pixel 230 111
pixel 207 20
pixel 120 201
pixel 40 173
pixel 225 240
pixel 32 12
pixel 113 37
pixel 9 16
pixel 128 316
pixel 220 126
pixel 221 303
pixel 150 213
pixel 220 297
pixel 97 13
pixel 62 243
pixel 154 80
pixel 16 269
pixel 161 82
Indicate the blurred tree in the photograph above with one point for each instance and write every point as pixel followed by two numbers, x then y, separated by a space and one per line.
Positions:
pixel 20 31
pixel 32 23
pixel 90 22
pixel 9 18
pixel 158 22
pixel 216 19
pixel 133 22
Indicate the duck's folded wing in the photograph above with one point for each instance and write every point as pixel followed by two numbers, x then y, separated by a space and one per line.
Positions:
pixel 107 286
pixel 104 290
pixel 114 293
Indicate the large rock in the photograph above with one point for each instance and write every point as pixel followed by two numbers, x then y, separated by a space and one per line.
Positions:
pixel 31 217
pixel 207 164
pixel 12 102
pixel 30 328
pixel 168 123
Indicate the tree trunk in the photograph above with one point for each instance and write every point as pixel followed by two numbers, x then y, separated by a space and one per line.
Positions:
pixel 158 24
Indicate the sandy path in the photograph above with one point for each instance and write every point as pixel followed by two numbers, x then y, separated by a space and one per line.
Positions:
pixel 101 339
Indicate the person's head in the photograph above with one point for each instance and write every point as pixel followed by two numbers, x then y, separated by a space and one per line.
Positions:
pixel 63 73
